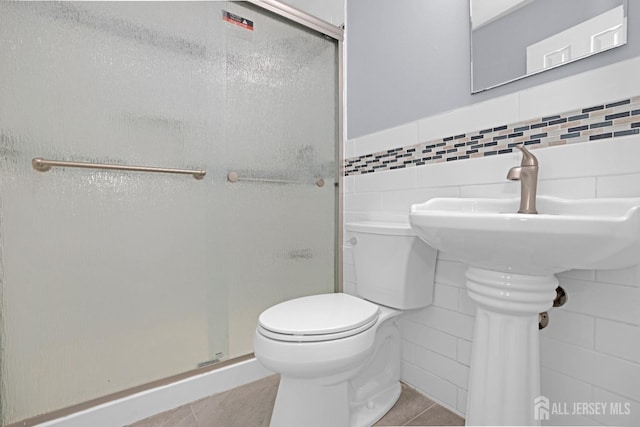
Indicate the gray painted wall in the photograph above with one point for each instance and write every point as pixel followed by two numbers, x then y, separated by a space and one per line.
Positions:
pixel 410 59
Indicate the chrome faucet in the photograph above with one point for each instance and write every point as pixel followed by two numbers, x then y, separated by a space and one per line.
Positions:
pixel 527 174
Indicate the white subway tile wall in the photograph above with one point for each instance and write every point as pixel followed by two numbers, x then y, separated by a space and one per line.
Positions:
pixel 478 116
pixel 590 352
pixel 462 400
pixel 633 407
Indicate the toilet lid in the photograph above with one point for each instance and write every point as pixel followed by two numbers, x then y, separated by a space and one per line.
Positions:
pixel 318 317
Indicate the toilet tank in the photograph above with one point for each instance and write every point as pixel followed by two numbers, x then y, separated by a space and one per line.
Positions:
pixel 393 266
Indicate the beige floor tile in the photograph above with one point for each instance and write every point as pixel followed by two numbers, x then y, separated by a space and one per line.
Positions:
pixel 179 417
pixel 250 405
pixel 410 404
pixel 437 416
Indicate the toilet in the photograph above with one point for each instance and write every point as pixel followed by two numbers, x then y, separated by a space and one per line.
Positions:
pixel 338 355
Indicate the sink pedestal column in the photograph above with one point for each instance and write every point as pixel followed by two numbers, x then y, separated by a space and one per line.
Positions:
pixel 505 355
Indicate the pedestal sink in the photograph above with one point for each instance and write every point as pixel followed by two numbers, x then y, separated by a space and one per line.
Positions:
pixel 512 260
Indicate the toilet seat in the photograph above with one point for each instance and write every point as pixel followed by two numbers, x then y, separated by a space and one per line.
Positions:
pixel 318 318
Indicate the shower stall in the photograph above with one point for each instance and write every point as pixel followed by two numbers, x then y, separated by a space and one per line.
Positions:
pixel 112 278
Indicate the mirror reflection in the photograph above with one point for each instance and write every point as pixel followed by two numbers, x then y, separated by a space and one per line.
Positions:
pixel 511 39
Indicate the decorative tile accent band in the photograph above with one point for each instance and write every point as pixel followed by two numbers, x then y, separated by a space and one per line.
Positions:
pixel 604 121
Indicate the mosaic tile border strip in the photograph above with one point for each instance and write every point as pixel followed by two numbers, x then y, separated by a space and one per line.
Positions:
pixel 611 120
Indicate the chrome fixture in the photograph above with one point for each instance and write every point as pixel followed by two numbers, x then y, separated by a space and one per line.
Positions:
pixel 527 174
pixel 233 177
pixel 44 165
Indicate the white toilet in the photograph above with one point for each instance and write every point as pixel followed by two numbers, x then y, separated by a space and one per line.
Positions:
pixel 339 355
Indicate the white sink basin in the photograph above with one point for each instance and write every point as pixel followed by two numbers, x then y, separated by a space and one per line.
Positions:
pixel 566 234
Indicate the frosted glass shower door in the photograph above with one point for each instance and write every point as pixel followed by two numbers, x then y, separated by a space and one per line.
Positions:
pixel 113 279
pixel 282 125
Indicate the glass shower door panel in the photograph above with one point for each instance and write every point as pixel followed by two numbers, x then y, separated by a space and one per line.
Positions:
pixel 109 279
pixel 281 125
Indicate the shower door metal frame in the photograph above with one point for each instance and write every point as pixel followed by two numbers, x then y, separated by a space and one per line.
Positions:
pixel 301 18
pixel 336 33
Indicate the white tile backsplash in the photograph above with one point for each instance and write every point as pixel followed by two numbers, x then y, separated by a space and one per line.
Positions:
pixel 489 114
pixel 400 179
pixel 595 87
pixel 450 272
pixel 565 391
pixel 363 201
pixel 466 305
pixel 620 410
pixel 399 136
pixel 573 328
pixel 401 200
pixel 464 352
pixel 592 367
pixel 500 190
pixel 442 366
pixel 462 400
pixel 571 188
pixel 590 159
pixel 348 184
pixel 624 276
pixel 558 387
pixel 436 340
pixel 408 351
pixel 590 350
pixel 607 339
pixel 445 296
pixel 434 386
pixel 607 301
pixel 451 322
pixel 618 185
pixel 349 287
pixel 485 170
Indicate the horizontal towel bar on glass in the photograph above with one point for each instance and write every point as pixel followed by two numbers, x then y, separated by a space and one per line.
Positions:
pixel 44 165
pixel 233 177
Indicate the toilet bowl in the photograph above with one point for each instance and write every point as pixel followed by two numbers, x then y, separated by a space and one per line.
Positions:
pixel 338 355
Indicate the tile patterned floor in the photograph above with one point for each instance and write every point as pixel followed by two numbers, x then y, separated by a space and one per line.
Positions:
pixel 250 406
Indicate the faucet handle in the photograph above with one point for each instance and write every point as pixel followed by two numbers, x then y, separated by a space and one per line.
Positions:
pixel 528 159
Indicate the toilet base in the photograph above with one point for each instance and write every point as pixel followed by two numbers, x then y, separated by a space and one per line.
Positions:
pixel 375 408
pixel 319 405
pixel 357 397
pixel 327 405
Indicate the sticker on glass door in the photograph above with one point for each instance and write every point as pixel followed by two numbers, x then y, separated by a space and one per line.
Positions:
pixel 237 20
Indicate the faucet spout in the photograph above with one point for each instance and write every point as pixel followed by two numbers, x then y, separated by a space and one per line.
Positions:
pixel 527 174
pixel 514 173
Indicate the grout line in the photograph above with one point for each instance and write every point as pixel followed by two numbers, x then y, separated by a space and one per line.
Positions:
pixel 193 414
pixel 432 405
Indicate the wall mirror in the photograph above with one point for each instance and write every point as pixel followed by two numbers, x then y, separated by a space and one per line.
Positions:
pixel 512 39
